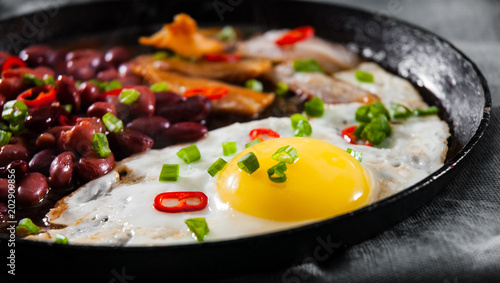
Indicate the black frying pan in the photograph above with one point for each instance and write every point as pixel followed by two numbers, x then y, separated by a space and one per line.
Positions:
pixel 443 74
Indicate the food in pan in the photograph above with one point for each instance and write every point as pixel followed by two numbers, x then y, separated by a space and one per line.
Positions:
pixel 214 136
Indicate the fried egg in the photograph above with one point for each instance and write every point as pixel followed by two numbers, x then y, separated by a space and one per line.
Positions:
pixel 323 182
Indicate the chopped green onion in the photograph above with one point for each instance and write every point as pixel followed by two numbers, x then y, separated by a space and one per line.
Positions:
pixel 254 85
pixel 28 225
pixel 228 148
pixel 100 145
pixel 199 227
pixel 295 118
pixel 364 77
pixel 158 87
pixel 307 66
pixel 50 81
pixel 112 123
pixel 279 171
pixel 169 172
pixel 227 33
pixel 128 96
pixel 249 163
pixel 281 89
pixel 4 137
pixel 61 239
pixel 112 85
pixel 32 80
pixel 286 154
pixel 433 110
pixel 189 154
pixel 356 154
pixel 67 107
pixel 160 55
pixel 399 111
pixel 14 112
pixel 376 131
pixel 4 127
pixel 216 167
pixel 303 128
pixel 315 107
pixel 366 112
pixel 255 141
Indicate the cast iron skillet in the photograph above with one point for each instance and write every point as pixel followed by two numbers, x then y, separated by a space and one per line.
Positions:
pixel 444 75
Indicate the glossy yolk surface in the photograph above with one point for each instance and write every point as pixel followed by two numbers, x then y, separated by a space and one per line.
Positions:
pixel 324 181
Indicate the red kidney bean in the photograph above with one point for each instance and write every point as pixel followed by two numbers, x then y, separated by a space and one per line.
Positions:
pixel 11 87
pixel 32 189
pixel 128 142
pixel 57 60
pixel 145 104
pixel 184 132
pixel 80 69
pixel 13 152
pixel 125 70
pixel 43 118
pixel 91 166
pixel 88 94
pixel 130 80
pixel 82 54
pixel 107 75
pixel 150 126
pixel 61 170
pixel 40 162
pixel 117 55
pixel 79 138
pixel 19 167
pixel 43 72
pixel 98 109
pixel 18 140
pixel 2 101
pixel 36 55
pixel 45 141
pixel 195 108
pixel 67 93
pixel 4 189
pixel 100 65
pixel 57 130
pixel 4 55
pixel 122 110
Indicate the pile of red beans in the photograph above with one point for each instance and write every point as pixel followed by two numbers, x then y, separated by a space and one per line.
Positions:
pixel 55 152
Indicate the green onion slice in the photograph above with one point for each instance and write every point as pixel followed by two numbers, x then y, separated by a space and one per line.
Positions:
pixel 303 128
pixel 277 173
pixel 169 172
pixel 315 107
pixel 61 239
pixel 67 107
pixel 356 154
pixel 216 167
pixel 227 33
pixel 5 137
pixel 100 145
pixel 189 154
pixel 32 80
pixel 28 225
pixel 307 66
pixel 399 111
pixel 254 85
pixel 249 163
pixel 198 226
pixel 286 154
pixel 255 141
pixel 158 87
pixel 281 89
pixel 128 96
pixel 114 84
pixel 295 118
pixel 50 81
pixel 228 148
pixel 364 77
pixel 433 110
pixel 112 123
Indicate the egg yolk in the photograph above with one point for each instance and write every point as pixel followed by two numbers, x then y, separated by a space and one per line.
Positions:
pixel 324 181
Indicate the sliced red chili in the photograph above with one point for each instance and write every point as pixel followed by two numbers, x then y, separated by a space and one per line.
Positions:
pixel 212 92
pixel 296 35
pixel 257 133
pixel 200 198
pixel 38 96
pixel 113 92
pixel 349 136
pixel 223 57
pixel 12 63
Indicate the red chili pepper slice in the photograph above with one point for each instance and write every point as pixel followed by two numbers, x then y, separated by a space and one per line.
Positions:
pixel 256 133
pixel 348 135
pixel 296 35
pixel 113 92
pixel 13 62
pixel 38 96
pixel 213 92
pixel 223 57
pixel 182 197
